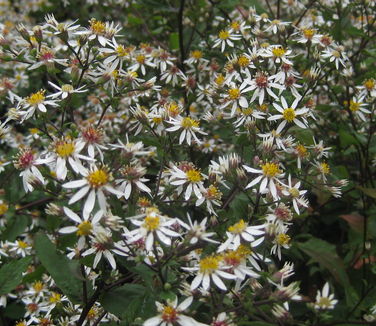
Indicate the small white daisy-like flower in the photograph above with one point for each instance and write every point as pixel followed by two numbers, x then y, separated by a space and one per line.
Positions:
pixel 132 178
pixel 153 224
pixel 324 300
pixel 235 97
pixel 85 224
pixel 270 173
pixel 197 231
pixel 188 175
pixel 95 182
pixel 278 53
pixel 261 85
pixel 210 269
pixel 226 37
pixel 336 55
pixel 26 161
pixel 357 106
pixel 66 150
pixel 171 314
pixel 288 113
pixel 188 126
pixel 101 244
pixel 35 101
pixel 297 195
pixel 242 232
pixel 65 90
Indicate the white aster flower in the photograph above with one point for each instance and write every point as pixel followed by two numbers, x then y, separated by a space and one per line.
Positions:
pixel 171 314
pixel 324 300
pixel 288 113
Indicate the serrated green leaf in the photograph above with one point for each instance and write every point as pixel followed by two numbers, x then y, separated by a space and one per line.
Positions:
pixel 11 274
pixel 64 271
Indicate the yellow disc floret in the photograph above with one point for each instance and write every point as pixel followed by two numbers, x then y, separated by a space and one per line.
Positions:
pixel 169 314
pixel 289 114
pixel 151 223
pixel 278 52
pixel 64 148
pixel 270 170
pixel 188 123
pixel 98 178
pixel 283 239
pixel 224 35
pixel 238 228
pixel 84 228
pixel 210 264
pixel 193 175
pixel 36 98
pixel 233 93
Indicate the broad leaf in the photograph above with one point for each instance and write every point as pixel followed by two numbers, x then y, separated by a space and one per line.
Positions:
pixel 11 274
pixel 64 271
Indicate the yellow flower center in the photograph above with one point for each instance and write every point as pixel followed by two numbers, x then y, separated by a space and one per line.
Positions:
pixel 294 192
pixel 97 27
pixel 34 131
pixel 84 228
pixel 243 61
pixel 278 52
pixel 169 314
pixel 38 286
pixel 173 109
pixel 220 80
pixel 22 244
pixel 244 251
pixel 21 323
pixel 193 175
pixel 188 123
pixel 354 106
pixel 67 88
pixel 157 120
pixel 213 193
pixel 324 302
pixel 3 208
pixel 336 54
pixel 140 59
pixel 270 170
pixel 238 228
pixel 92 314
pixel 324 168
pixel 121 51
pixel 232 258
pixel 289 114
pixel 64 148
pixel 302 150
pixel 55 297
pixel 209 265
pixel 308 33
pixel 36 98
pixel 283 239
pixel 247 111
pixel 151 223
pixel 98 178
pixel 369 84
pixel 233 93
pixel 197 54
pixel 235 25
pixel 224 35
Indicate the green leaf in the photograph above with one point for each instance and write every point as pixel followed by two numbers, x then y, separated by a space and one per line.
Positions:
pixel 325 254
pixel 129 301
pixel 65 272
pixel 16 225
pixel 11 274
pixel 370 192
pixel 174 41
